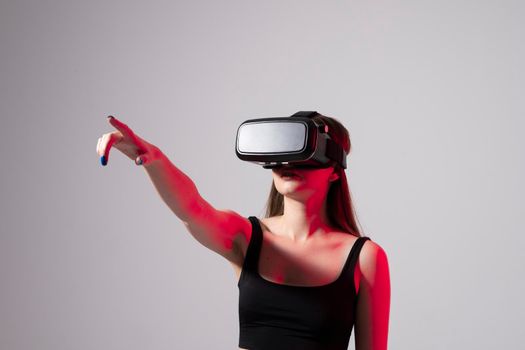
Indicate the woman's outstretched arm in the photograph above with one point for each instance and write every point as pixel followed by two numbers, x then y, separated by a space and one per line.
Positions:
pixel 219 230
pixel 373 305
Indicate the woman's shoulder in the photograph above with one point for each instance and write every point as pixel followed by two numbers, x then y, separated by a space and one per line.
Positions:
pixel 373 260
pixel 371 250
pixel 268 223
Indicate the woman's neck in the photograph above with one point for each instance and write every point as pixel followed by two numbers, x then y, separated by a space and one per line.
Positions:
pixel 302 220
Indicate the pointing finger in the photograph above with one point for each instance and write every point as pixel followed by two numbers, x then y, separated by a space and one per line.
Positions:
pixel 120 126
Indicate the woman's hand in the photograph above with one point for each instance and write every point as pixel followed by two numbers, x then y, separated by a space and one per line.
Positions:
pixel 127 142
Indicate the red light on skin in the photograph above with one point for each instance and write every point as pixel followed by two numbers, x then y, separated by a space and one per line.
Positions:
pixel 373 306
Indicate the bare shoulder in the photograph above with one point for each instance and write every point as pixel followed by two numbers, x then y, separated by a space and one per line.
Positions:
pixel 242 228
pixel 268 223
pixel 372 262
pixel 370 250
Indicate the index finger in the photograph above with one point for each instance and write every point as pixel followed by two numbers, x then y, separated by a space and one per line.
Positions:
pixel 120 126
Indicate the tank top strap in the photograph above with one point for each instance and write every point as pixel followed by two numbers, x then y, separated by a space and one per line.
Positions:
pixel 254 246
pixel 354 254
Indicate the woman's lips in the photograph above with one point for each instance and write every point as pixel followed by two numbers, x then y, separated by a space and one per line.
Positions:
pixel 289 174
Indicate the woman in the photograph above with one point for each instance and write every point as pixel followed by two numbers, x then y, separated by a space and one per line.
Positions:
pixel 305 274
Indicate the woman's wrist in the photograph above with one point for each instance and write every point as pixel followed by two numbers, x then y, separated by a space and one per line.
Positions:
pixel 154 158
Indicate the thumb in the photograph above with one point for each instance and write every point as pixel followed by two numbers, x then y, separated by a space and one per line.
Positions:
pixel 148 156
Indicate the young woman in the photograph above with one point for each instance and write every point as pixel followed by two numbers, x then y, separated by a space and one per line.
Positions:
pixel 305 273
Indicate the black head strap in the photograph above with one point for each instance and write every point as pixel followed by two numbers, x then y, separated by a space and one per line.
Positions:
pixel 306 114
pixel 333 150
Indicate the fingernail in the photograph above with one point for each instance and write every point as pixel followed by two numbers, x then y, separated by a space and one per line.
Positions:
pixel 103 160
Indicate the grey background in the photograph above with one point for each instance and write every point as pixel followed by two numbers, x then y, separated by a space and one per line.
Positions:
pixel 431 92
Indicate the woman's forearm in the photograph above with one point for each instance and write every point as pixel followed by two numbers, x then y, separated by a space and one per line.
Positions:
pixel 175 188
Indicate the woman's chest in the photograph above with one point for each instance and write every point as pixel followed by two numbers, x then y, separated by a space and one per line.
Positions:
pixel 320 263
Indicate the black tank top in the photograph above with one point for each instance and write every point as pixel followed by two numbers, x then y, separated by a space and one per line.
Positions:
pixel 276 316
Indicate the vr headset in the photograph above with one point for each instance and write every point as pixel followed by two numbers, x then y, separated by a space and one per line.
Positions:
pixel 297 140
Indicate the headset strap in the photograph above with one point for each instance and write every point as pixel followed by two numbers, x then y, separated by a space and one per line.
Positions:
pixel 306 114
pixel 333 150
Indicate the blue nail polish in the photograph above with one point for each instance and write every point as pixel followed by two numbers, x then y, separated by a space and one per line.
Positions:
pixel 103 160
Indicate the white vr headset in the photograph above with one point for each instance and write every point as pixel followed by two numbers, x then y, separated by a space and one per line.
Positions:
pixel 296 140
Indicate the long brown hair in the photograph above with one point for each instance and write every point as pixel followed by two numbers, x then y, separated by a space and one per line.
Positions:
pixel 340 209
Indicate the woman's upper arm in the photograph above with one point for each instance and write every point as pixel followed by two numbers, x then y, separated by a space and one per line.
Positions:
pixel 373 303
pixel 222 231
